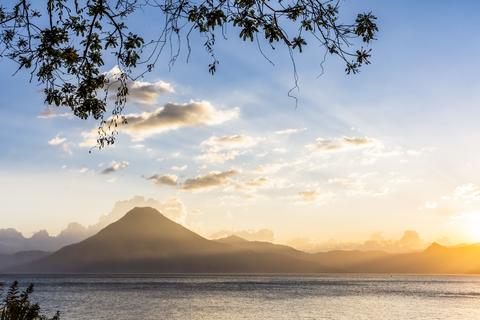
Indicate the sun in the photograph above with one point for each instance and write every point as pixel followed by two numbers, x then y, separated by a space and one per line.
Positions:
pixel 472 225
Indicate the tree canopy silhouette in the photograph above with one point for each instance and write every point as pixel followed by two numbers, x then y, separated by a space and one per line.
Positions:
pixel 63 44
pixel 16 305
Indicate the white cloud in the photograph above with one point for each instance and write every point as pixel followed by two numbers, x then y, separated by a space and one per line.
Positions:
pixel 225 148
pixel 179 168
pixel 61 141
pixel 308 196
pixel 358 184
pixel 218 157
pixel 468 192
pixel 57 140
pixel 270 168
pixel 229 142
pixel 89 139
pixel 290 131
pixel 142 92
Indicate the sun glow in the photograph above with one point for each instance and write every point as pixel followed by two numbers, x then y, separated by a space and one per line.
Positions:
pixel 471 222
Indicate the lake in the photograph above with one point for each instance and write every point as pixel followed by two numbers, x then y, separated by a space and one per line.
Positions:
pixel 345 297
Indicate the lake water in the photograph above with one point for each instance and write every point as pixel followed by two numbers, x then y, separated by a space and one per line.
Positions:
pixel 345 297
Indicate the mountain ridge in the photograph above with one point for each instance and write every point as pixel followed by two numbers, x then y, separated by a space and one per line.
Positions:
pixel 145 241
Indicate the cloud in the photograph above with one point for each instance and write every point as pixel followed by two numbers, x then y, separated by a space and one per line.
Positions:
pixel 142 92
pixel 48 113
pixel 89 139
pixel 468 192
pixel 58 140
pixel 252 185
pixel 250 235
pixel 179 168
pixel 115 166
pixel 208 181
pixel 408 242
pixel 218 157
pixel 166 180
pixel 61 141
pixel 463 198
pixel 225 148
pixel 172 116
pixel 172 208
pixel 308 196
pixel 341 144
pixel 311 197
pixel 290 131
pixel 258 182
pixel 66 148
pixel 229 142
pixel 83 169
pixel 357 184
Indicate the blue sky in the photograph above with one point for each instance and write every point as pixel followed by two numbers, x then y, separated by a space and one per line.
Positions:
pixel 414 112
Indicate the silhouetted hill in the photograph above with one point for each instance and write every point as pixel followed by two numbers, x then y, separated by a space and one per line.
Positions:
pixel 146 241
pixel 241 244
pixel 12 241
pixel 19 258
pixel 436 259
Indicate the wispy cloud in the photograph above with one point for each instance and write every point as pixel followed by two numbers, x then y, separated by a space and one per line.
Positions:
pixel 57 140
pixel 308 196
pixel 341 144
pixel 290 131
pixel 468 192
pixel 229 142
pixel 115 166
pixel 48 113
pixel 179 168
pixel 220 149
pixel 218 157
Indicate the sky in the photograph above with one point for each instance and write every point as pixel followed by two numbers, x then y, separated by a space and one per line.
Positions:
pixel 390 149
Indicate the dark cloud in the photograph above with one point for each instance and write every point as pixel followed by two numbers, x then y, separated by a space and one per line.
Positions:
pixel 115 166
pixel 167 180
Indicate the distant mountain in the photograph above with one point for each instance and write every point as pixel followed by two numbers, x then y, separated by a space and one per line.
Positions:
pixel 12 241
pixel 240 244
pixel 436 259
pixel 19 258
pixel 146 241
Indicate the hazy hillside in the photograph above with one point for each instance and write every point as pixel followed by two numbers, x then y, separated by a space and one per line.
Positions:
pixel 146 241
pixel 22 257
pixel 12 241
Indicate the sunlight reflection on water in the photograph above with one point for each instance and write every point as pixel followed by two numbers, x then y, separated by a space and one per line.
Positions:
pixel 257 297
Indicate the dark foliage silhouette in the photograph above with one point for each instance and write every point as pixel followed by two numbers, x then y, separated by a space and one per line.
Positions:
pixel 16 305
pixel 63 43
